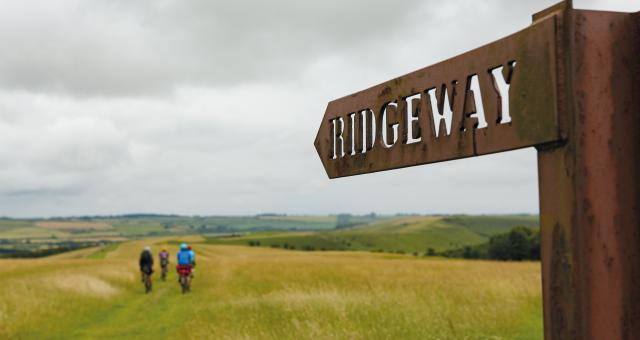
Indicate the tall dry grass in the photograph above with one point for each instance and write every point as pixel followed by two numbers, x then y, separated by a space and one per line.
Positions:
pixel 242 292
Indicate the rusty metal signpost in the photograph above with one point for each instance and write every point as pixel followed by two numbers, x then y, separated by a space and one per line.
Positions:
pixel 568 85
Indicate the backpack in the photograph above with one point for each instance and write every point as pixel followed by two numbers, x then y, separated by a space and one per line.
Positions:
pixel 184 257
pixel 164 258
pixel 146 259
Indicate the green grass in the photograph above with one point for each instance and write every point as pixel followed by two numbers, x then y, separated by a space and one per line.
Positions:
pixel 532 326
pixel 242 292
pixel 102 252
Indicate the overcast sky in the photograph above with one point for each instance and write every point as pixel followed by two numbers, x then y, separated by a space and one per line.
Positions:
pixel 211 107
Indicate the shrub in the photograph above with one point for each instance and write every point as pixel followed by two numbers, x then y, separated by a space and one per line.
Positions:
pixel 519 244
pixel 470 253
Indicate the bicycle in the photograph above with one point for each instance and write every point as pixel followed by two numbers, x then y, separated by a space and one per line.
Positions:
pixel 163 273
pixel 185 278
pixel 146 280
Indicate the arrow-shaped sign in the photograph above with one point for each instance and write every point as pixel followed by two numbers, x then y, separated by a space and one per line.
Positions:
pixel 498 97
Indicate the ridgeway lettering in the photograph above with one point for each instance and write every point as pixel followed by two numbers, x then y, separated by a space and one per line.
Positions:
pixel 357 132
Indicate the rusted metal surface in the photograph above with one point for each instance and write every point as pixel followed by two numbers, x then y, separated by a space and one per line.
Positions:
pixel 528 61
pixel 579 104
pixel 589 186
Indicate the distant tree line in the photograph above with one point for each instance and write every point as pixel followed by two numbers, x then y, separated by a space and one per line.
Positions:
pixel 520 243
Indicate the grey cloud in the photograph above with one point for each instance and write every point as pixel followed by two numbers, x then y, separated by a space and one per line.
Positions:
pixel 129 48
pixel 62 157
pixel 208 107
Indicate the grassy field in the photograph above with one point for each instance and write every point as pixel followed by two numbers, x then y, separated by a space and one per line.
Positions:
pixel 401 234
pixel 249 292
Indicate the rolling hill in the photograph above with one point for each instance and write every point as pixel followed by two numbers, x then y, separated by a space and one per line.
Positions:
pixel 407 234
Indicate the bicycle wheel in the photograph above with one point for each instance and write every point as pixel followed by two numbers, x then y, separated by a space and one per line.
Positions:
pixel 183 283
pixel 147 284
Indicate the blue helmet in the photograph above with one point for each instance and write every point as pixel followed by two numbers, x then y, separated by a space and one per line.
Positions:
pixel 183 246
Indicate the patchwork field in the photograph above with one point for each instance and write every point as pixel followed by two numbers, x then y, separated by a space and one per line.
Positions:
pixel 35 237
pixel 249 292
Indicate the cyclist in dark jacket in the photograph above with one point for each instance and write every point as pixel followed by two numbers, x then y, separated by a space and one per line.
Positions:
pixel 146 262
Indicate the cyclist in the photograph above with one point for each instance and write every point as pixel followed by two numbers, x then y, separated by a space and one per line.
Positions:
pixel 164 262
pixel 193 260
pixel 146 262
pixel 185 260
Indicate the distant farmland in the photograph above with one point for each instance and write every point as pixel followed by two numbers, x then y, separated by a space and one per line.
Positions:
pixel 402 234
pixel 407 234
